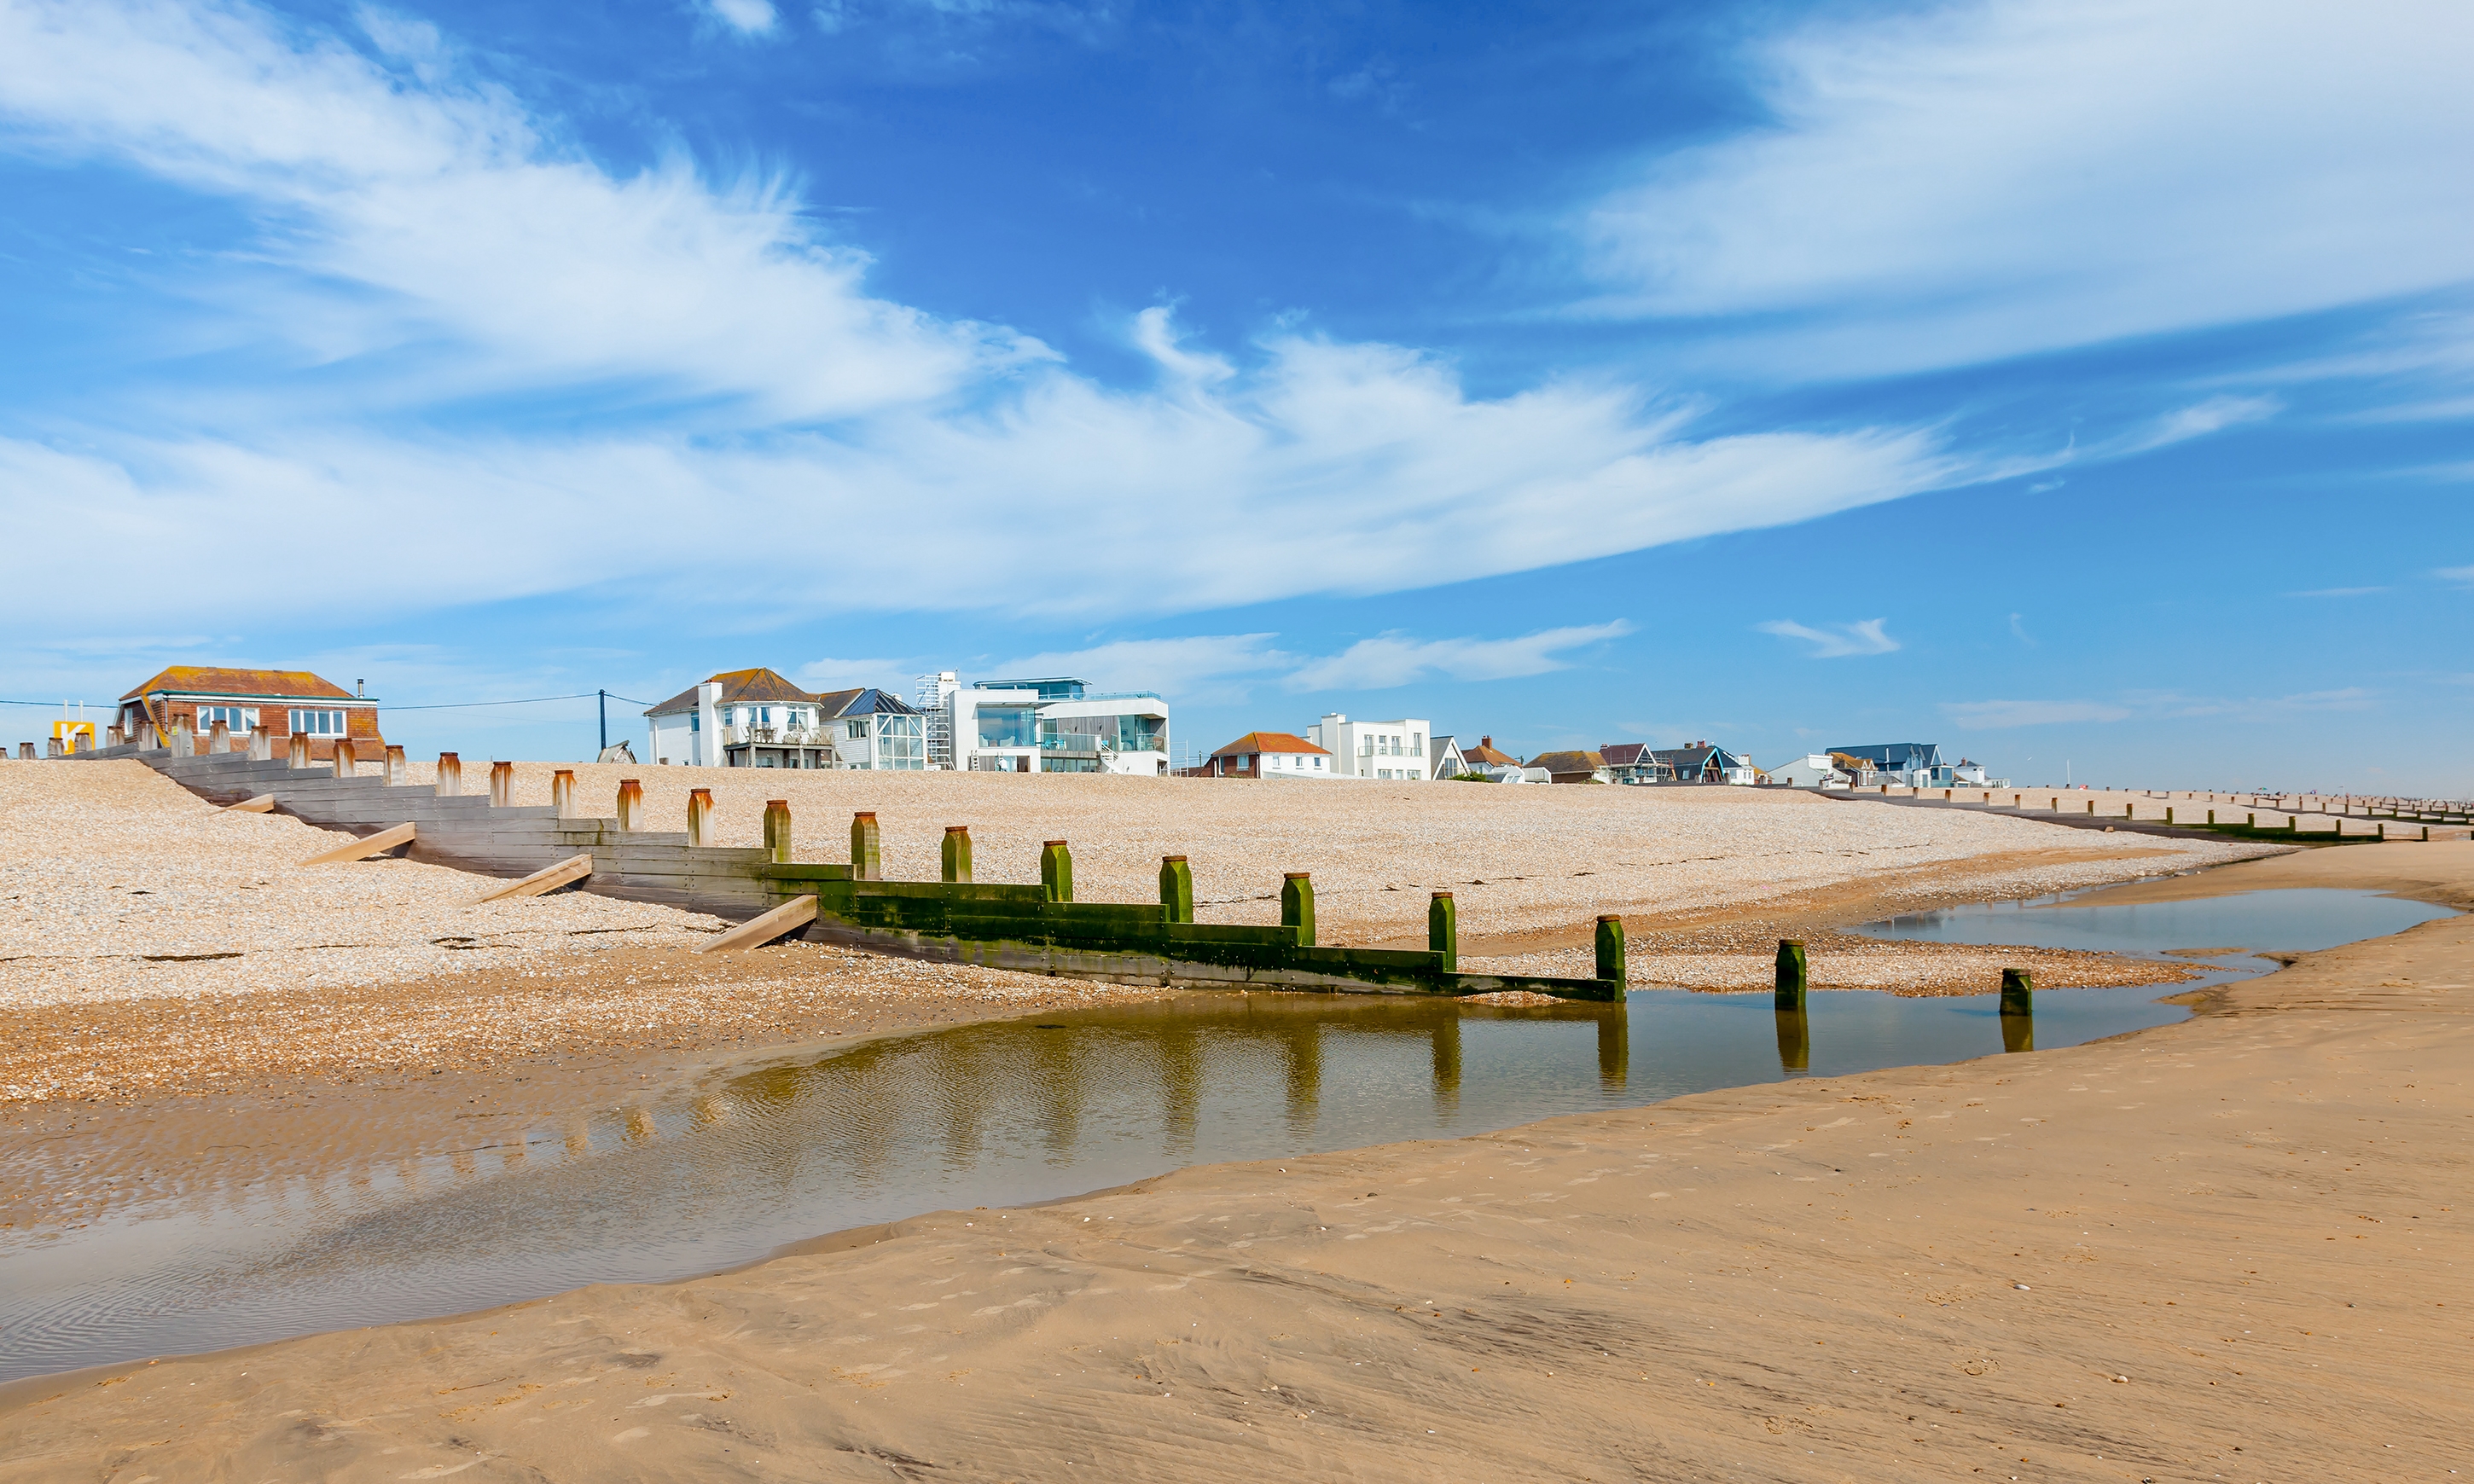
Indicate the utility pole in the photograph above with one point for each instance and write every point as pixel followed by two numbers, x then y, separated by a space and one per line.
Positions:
pixel 604 703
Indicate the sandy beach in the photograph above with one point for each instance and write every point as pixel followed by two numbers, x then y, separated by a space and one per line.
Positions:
pixel 2234 1247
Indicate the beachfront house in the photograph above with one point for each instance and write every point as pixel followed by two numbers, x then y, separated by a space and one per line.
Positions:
pixel 1488 759
pixel 1374 750
pixel 1813 769
pixel 1569 767
pixel 1049 725
pixel 282 703
pixel 1269 754
pixel 1444 759
pixel 1632 762
pixel 1702 763
pixel 1908 764
pixel 758 719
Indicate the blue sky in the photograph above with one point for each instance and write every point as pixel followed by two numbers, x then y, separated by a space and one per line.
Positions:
pixel 2081 385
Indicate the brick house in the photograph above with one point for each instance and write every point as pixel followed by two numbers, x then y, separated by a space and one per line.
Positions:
pixel 279 703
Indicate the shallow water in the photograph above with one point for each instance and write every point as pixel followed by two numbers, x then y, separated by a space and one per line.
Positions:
pixel 2298 921
pixel 991 1114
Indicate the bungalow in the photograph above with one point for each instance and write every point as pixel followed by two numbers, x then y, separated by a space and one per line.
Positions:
pixel 1813 769
pixel 757 719
pixel 1917 764
pixel 282 703
pixel 1570 767
pixel 1632 762
pixel 1269 754
pixel 1701 763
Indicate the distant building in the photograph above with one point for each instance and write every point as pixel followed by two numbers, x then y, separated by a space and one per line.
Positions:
pixel 1053 724
pixel 1914 764
pixel 1569 767
pixel 1701 763
pixel 1486 758
pixel 1813 769
pixel 757 719
pixel 1444 759
pixel 1632 762
pixel 1269 754
pixel 281 702
pixel 1374 750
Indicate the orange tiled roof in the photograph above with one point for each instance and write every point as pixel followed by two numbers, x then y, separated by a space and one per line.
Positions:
pixel 1483 754
pixel 1269 742
pixel 190 680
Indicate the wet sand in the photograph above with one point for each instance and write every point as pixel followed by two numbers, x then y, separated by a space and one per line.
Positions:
pixel 2235 1246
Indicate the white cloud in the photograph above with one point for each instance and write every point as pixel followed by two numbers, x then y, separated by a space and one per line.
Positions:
pixel 1397 660
pixel 1204 669
pixel 1989 715
pixel 1969 180
pixel 750 17
pixel 430 241
pixel 2454 574
pixel 2201 419
pixel 1838 641
pixel 2337 592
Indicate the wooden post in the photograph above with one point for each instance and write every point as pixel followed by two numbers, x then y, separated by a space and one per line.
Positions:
pixel 549 878
pixel 867 855
pixel 953 858
pixel 1443 930
pixel 2168 814
pixel 777 830
pixel 113 737
pixel 261 744
pixel 2018 1011
pixel 503 785
pixel 756 932
pixel 2212 816
pixel 1610 949
pixel 52 746
pixel 1056 870
pixel 25 751
pixel 394 766
pixel 296 749
pixel 1176 889
pixel 1794 976
pixel 219 737
pixel 562 792
pixel 699 816
pixel 451 775
pixel 184 742
pixel 346 764
pixel 1296 906
pixel 631 804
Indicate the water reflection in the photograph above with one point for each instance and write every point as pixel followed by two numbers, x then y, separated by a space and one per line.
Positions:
pixel 991 1114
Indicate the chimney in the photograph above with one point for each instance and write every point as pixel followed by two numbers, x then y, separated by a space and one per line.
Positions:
pixel 1487 742
pixel 360 690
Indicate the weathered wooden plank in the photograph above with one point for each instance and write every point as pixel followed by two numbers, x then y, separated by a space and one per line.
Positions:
pixel 549 878
pixel 796 913
pixel 263 803
pixel 366 845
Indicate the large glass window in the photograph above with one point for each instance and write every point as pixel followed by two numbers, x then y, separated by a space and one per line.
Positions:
pixel 1009 727
pixel 1055 763
pixel 317 722
pixel 239 718
pixel 901 742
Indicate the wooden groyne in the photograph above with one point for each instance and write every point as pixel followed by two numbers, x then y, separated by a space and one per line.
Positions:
pixel 1030 929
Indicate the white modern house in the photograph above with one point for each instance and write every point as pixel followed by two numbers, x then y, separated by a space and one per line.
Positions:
pixel 1047 725
pixel 1375 749
pixel 1813 769
pixel 1444 759
pixel 757 719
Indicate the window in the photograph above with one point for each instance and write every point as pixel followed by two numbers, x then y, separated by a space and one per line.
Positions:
pixel 239 718
pixel 317 722
pixel 858 726
pixel 1009 727
pixel 902 743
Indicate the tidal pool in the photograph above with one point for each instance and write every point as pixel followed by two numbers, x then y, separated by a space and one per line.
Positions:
pixel 990 1115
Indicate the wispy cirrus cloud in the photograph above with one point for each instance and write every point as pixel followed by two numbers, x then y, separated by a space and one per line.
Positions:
pixel 1397 660
pixel 2337 592
pixel 2456 574
pixel 1834 641
pixel 416 226
pixel 1937 185
pixel 1993 716
pixel 748 17
pixel 2150 705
